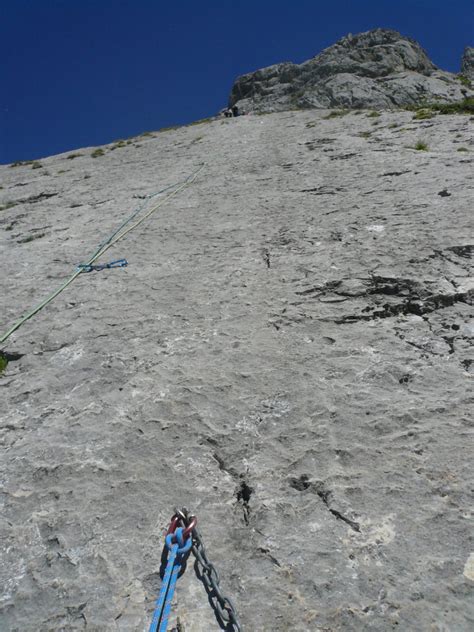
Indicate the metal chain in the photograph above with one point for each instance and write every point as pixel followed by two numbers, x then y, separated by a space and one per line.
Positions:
pixel 206 572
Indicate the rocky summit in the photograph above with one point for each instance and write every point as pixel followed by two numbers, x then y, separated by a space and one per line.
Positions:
pixel 288 354
pixel 377 69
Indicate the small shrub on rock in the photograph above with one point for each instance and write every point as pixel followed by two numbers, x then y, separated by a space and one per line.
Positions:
pixel 465 81
pixel 422 114
pixel 421 146
pixel 336 114
pixel 118 144
pixel 466 106
pixel 22 163
pixel 7 205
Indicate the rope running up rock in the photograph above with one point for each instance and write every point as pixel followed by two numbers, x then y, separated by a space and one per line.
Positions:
pixel 116 236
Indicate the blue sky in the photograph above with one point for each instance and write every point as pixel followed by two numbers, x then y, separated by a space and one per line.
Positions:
pixel 86 72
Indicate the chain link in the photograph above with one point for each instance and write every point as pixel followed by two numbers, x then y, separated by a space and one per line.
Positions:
pixel 206 572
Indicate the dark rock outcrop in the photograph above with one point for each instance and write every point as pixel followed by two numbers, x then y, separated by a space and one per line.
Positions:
pixel 376 69
pixel 467 64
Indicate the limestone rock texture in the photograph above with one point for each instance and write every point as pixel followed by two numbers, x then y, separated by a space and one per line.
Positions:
pixel 288 355
pixel 376 69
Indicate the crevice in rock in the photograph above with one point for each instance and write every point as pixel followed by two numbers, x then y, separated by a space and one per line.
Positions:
pixel 37 198
pixel 449 340
pixel 343 156
pixel 390 286
pixel 11 357
pixel 224 467
pixel 244 493
pixel 302 483
pixel 418 346
pixel 323 190
pixel 394 173
pixel 267 553
pixel 412 306
pixel 417 298
pixel 325 496
pixel 28 238
pixel 463 251
pixel 266 257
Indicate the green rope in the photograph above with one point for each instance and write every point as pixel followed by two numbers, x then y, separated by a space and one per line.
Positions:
pixel 104 246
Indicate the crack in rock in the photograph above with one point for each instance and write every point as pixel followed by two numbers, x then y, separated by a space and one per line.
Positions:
pixel 244 493
pixel 303 483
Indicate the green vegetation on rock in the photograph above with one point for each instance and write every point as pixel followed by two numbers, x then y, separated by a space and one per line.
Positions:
pixel 421 146
pixel 7 205
pixel 118 144
pixel 426 110
pixel 466 106
pixel 336 114
pixel 423 113
pixel 465 81
pixel 22 163
pixel 26 240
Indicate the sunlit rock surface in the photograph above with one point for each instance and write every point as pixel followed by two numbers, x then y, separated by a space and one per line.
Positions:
pixel 296 324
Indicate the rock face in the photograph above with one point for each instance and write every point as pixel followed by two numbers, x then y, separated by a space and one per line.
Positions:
pixel 467 66
pixel 377 69
pixel 288 354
